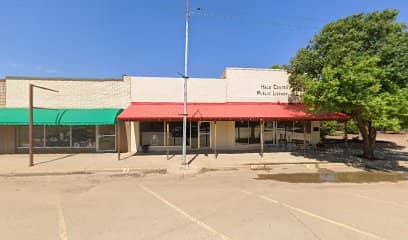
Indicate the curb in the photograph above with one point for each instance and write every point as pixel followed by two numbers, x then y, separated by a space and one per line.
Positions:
pixel 144 171
pixel 84 172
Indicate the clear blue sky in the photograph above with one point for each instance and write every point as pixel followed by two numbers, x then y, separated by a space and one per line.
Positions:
pixel 109 38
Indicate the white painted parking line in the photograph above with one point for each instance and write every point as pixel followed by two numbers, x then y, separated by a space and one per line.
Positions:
pixel 381 201
pixel 345 226
pixel 186 215
pixel 62 229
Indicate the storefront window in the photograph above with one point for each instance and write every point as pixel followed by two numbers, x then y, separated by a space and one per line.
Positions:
pixel 269 132
pixel 284 131
pixel 247 132
pixel 22 136
pixel 176 134
pixel 152 133
pixel 83 136
pixel 299 128
pixel 58 136
pixel 107 130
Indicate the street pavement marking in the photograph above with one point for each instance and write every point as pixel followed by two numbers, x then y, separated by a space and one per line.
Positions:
pixel 189 217
pixel 380 200
pixel 61 223
pixel 348 227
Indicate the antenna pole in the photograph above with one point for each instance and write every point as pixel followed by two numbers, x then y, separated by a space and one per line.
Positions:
pixel 184 160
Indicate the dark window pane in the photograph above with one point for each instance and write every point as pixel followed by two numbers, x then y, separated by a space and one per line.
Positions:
pixel 107 130
pixel 247 132
pixel 57 136
pixel 38 136
pixel 152 133
pixel 83 136
pixel 176 133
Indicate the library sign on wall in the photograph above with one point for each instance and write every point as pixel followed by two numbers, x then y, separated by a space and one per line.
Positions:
pixel 273 90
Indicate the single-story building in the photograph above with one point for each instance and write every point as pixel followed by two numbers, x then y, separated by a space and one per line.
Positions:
pixel 244 109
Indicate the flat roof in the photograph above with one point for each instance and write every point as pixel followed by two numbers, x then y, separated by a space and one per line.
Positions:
pixel 255 69
pixel 62 78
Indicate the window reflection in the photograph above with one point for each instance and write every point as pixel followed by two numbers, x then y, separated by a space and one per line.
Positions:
pixel 152 133
pixel 58 136
pixel 38 136
pixel 83 136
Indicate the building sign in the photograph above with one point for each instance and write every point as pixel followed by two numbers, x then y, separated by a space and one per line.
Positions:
pixel 274 90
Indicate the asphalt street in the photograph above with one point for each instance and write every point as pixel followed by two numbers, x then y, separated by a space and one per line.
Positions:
pixel 213 205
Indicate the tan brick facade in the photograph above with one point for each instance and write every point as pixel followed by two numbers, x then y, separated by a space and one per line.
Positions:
pixel 2 93
pixel 73 93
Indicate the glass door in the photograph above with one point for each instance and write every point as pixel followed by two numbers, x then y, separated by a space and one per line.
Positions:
pixel 106 138
pixel 204 134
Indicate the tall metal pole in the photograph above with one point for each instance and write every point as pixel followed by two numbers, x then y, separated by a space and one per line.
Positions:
pixel 30 124
pixel 30 119
pixel 184 160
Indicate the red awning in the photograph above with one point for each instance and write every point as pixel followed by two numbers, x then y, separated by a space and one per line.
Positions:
pixel 144 111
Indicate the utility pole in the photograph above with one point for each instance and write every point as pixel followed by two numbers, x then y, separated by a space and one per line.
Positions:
pixel 31 119
pixel 185 77
pixel 30 125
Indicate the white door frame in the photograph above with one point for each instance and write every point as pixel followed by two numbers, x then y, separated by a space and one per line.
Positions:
pixel 199 134
pixel 99 136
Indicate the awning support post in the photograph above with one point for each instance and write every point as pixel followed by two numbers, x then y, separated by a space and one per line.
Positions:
pixel 167 140
pixel 215 139
pixel 304 138
pixel 345 135
pixel 118 138
pixel 262 137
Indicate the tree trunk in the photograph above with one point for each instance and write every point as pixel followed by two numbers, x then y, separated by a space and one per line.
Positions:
pixel 369 134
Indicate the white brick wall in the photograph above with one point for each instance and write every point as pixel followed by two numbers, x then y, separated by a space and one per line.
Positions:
pixel 73 93
pixel 161 89
pixel 239 85
pixel 257 85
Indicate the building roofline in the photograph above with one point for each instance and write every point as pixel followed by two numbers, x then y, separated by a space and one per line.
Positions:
pixel 254 69
pixel 61 78
pixel 223 75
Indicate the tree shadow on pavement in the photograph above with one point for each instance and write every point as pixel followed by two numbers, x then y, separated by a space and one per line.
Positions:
pixel 388 154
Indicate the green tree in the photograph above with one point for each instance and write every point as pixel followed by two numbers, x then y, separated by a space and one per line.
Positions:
pixel 277 66
pixel 357 65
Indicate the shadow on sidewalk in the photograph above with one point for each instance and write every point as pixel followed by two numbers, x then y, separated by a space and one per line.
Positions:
pixel 55 159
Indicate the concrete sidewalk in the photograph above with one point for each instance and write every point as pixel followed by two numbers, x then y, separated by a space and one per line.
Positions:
pixel 17 164
pixel 107 162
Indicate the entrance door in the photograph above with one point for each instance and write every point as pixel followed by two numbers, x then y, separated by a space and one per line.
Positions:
pixel 204 134
pixel 106 138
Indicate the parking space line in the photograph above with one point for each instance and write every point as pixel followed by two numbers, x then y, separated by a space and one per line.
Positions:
pixel 380 200
pixel 62 230
pixel 186 215
pixel 345 226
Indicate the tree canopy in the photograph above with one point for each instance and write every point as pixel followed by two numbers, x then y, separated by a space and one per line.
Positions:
pixel 357 65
